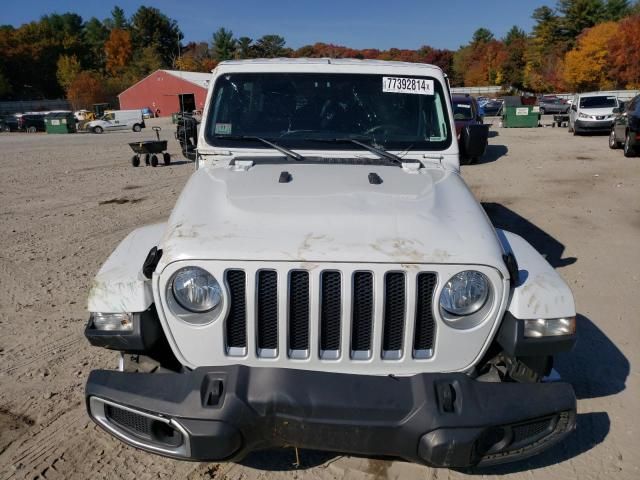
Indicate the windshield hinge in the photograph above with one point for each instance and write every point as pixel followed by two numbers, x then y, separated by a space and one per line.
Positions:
pixel 411 167
pixel 437 158
pixel 241 165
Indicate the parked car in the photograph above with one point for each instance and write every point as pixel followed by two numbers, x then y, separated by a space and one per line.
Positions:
pixel 553 105
pixel 592 112
pixel 327 280
pixel 465 112
pixel 147 113
pixel 114 120
pixel 626 128
pixel 8 123
pixel 493 108
pixel 31 122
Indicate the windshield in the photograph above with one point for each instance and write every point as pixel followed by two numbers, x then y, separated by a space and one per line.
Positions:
pixel 303 110
pixel 598 102
pixel 462 111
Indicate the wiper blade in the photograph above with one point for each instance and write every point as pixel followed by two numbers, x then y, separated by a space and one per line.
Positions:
pixel 280 148
pixel 377 150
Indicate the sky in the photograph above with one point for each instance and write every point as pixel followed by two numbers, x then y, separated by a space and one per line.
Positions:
pixel 381 24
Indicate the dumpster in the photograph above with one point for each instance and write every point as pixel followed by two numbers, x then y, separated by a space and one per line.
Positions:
pixel 60 122
pixel 517 115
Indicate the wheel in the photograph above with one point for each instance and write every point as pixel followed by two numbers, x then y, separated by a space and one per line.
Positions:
pixel 541 110
pixel 167 158
pixel 135 160
pixel 628 149
pixel 31 130
pixel 154 161
pixel 137 127
pixel 146 159
pixel 613 143
pixel 97 130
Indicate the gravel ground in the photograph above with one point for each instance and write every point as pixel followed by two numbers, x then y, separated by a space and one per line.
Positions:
pixel 66 201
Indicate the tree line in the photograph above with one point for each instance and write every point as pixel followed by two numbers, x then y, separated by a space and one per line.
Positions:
pixel 578 45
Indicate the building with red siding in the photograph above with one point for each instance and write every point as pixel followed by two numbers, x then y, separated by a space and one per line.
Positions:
pixel 167 92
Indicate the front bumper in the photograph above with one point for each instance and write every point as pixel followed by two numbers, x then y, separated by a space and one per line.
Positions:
pixel 593 125
pixel 223 413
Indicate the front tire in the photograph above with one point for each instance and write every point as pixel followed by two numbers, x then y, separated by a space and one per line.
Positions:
pixel 542 111
pixel 154 161
pixel 135 161
pixel 97 130
pixel 628 149
pixel 167 158
pixel 137 127
pixel 31 130
pixel 613 143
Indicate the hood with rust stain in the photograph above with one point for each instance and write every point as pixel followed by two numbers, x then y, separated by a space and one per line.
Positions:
pixel 329 213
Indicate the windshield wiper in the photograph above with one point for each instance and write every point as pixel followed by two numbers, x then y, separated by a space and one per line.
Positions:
pixel 377 150
pixel 281 149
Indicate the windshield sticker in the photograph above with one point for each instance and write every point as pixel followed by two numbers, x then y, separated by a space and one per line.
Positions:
pixel 463 105
pixel 416 86
pixel 223 129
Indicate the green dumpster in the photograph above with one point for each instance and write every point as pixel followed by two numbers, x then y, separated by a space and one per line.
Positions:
pixel 523 116
pixel 60 122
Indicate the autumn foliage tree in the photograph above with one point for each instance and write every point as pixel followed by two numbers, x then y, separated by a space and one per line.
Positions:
pixel 624 52
pixel 118 50
pixel 586 67
pixel 85 90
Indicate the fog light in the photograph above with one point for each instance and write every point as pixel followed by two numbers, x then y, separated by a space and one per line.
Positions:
pixel 112 321
pixel 549 327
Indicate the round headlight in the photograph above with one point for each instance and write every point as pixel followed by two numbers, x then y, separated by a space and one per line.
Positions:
pixel 465 293
pixel 196 290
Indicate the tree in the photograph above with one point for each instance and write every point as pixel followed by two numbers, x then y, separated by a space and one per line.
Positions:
pixel 223 45
pixel 244 48
pixel 586 66
pixel 118 50
pixel 515 42
pixel 95 34
pixel 85 90
pixel 118 19
pixel 151 28
pixel 481 35
pixel 579 15
pixel 68 69
pixel 270 46
pixel 624 52
pixel 5 86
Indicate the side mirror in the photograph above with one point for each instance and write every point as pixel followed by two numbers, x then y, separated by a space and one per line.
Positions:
pixel 473 141
pixel 616 110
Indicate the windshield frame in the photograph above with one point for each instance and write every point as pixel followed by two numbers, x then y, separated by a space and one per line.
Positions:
pixel 304 142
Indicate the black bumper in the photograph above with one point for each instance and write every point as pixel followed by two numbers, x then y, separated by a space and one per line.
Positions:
pixel 594 126
pixel 223 413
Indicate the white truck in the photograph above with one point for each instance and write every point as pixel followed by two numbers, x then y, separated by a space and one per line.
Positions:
pixel 327 280
pixel 114 120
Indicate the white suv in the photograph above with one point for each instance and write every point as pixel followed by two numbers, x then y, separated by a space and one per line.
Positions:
pixel 327 280
pixel 592 112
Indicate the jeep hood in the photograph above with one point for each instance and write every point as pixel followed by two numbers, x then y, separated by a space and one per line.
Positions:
pixel 329 213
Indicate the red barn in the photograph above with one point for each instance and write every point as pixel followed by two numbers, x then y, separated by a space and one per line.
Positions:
pixel 167 91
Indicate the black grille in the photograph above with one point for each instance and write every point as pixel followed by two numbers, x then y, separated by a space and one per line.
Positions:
pixel 237 318
pixel 133 422
pixel 362 311
pixel 532 431
pixel 299 310
pixel 394 308
pixel 267 309
pixel 425 324
pixel 330 312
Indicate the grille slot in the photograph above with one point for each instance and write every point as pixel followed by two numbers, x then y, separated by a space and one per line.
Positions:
pixel 425 323
pixel 299 314
pixel 394 312
pixel 362 315
pixel 237 318
pixel 330 314
pixel 134 423
pixel 267 311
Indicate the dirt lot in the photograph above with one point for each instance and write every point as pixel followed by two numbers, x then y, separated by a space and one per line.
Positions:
pixel 66 201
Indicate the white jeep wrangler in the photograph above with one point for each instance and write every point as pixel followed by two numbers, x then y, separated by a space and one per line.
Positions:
pixel 327 280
